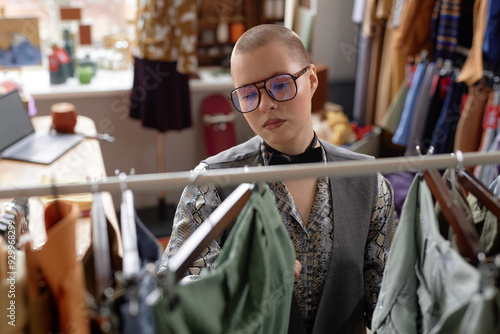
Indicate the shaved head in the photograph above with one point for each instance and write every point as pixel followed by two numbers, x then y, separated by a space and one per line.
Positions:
pixel 266 34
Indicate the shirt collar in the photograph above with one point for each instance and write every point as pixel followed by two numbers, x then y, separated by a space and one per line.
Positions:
pixel 266 154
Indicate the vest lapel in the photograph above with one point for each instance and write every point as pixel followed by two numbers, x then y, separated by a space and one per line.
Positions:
pixel 352 199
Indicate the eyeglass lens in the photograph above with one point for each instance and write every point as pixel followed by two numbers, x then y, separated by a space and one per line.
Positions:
pixel 281 88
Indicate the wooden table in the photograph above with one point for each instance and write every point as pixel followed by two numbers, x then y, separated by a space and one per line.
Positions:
pixel 79 164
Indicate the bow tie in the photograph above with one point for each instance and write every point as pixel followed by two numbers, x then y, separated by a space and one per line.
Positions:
pixel 309 156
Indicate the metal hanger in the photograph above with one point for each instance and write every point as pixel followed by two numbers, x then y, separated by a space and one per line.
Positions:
pixel 131 263
pixel 100 244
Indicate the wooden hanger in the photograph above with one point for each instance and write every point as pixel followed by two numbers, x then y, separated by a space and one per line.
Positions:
pixel 213 226
pixel 478 189
pixel 467 237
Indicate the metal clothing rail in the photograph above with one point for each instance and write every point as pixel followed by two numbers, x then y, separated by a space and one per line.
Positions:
pixel 235 176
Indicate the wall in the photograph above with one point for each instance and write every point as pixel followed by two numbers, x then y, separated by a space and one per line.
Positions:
pixel 334 40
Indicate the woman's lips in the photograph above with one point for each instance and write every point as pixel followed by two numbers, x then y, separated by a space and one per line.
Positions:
pixel 274 123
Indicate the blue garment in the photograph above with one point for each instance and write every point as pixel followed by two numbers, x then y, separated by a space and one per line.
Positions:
pixel 403 130
pixel 491 45
pixel 443 136
pixel 150 251
pixel 420 113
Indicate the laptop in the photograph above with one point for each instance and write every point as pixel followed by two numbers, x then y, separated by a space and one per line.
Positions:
pixel 18 139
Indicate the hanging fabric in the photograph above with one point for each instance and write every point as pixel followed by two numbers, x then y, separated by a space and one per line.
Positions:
pixel 421 109
pixel 395 109
pixel 136 315
pixel 472 71
pixel 139 248
pixel 438 94
pixel 486 221
pixel 491 127
pixel 102 289
pixel 165 55
pixel 392 64
pixel 414 26
pixel 469 128
pixel 402 132
pixel 362 78
pixel 491 47
pixel 249 288
pixel 58 262
pixel 416 295
pixel 444 31
pixel 443 134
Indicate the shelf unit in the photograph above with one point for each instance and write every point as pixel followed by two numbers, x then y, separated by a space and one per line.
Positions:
pixel 221 22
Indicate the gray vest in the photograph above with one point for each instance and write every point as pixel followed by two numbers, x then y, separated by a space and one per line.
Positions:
pixel 341 309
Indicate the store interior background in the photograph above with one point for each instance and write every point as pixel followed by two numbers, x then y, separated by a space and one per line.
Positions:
pixel 334 42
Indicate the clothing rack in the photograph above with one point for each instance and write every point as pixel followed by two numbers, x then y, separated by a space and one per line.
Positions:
pixel 235 176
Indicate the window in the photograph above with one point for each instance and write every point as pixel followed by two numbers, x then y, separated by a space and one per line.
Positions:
pixel 105 17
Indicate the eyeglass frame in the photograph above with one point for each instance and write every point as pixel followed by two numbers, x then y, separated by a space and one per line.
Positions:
pixel 294 78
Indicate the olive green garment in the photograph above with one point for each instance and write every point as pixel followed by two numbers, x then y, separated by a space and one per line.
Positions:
pixel 392 117
pixel 248 290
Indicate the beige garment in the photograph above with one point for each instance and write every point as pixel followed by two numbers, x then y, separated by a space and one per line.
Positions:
pixel 384 93
pixel 472 71
pixel 167 31
pixel 384 9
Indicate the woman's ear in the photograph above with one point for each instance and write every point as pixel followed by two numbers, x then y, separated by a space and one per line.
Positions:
pixel 313 79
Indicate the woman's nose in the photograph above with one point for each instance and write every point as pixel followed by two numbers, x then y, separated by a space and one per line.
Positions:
pixel 267 103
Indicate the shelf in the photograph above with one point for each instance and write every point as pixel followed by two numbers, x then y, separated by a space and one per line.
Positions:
pixel 216 20
pixel 202 44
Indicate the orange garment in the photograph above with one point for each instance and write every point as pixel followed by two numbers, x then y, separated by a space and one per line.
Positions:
pixel 472 71
pixel 414 26
pixel 469 129
pixel 374 29
pixel 482 145
pixel 58 261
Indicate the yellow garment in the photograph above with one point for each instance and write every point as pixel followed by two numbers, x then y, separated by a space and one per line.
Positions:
pixel 167 31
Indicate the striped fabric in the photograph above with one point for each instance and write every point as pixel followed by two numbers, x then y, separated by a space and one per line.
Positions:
pixel 445 22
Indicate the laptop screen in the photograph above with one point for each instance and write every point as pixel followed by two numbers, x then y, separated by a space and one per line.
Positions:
pixel 15 123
